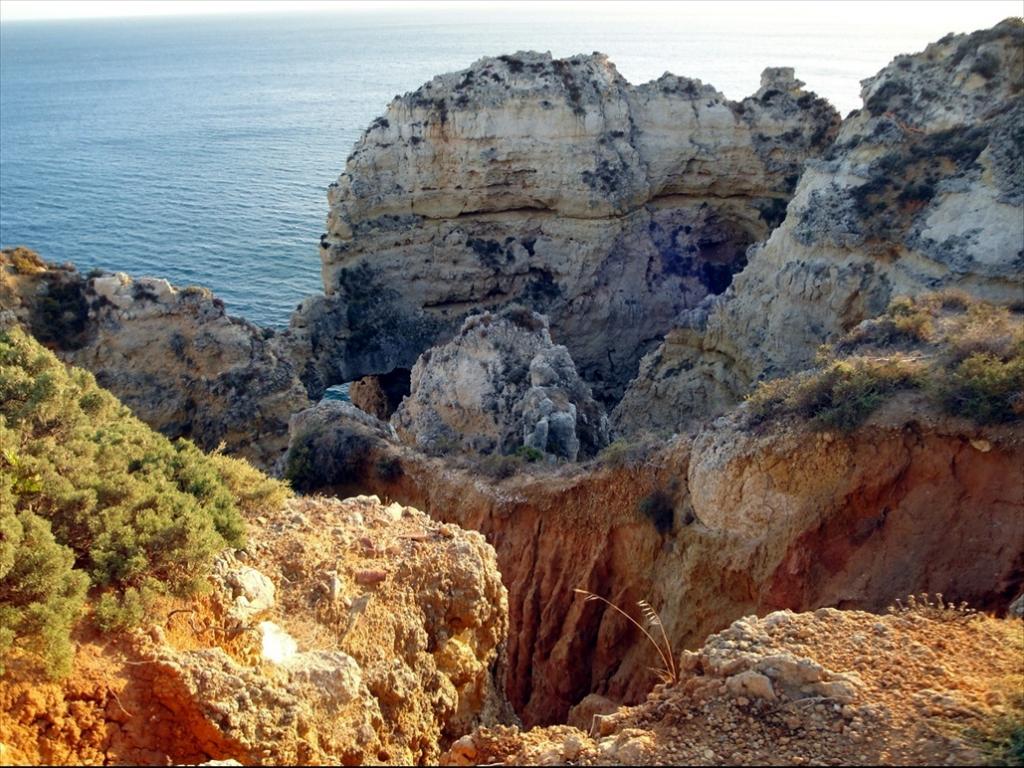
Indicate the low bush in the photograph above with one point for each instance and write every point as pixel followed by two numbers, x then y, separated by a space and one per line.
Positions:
pixel 529 454
pixel 41 593
pixel 622 453
pixel 25 261
pixel 840 396
pixel 95 488
pixel 966 355
pixel 498 466
pixel 389 468
pixel 321 458
pixel 985 388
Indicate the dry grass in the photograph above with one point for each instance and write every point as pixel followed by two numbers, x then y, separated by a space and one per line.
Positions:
pixel 966 355
pixel 24 260
pixel 667 673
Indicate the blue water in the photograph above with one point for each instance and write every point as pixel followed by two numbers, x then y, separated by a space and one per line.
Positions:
pixel 200 149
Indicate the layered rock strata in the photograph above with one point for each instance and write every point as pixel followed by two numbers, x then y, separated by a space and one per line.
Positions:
pixel 922 190
pixel 553 183
pixel 173 355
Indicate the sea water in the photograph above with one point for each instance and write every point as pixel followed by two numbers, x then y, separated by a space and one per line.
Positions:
pixel 200 149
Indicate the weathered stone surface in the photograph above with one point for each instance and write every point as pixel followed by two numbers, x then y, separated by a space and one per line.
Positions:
pixel 556 184
pixel 391 677
pixel 788 517
pixel 921 191
pixel 906 684
pixel 380 396
pixel 247 592
pixel 498 386
pixel 174 356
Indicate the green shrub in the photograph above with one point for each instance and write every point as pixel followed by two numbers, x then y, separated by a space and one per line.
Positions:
pixel 529 454
pixel 41 593
pixel 498 466
pixel 966 355
pixel 250 489
pixel 985 388
pixel 902 324
pixel 320 458
pixel 999 737
pixel 136 514
pixel 840 396
pixel 117 612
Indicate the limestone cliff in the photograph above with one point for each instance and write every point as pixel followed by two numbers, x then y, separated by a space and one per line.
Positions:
pixel 921 190
pixel 741 519
pixel 174 356
pixel 553 183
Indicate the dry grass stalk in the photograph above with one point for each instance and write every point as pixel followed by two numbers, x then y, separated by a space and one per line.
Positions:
pixel 668 673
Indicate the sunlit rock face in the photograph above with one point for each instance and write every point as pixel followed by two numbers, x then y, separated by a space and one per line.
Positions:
pixel 921 191
pixel 558 185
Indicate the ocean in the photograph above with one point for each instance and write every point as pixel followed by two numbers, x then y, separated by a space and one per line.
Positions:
pixel 200 149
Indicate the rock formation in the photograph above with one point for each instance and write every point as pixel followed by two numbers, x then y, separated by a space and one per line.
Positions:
pixel 922 190
pixel 330 446
pixel 501 385
pixel 357 632
pixel 553 183
pixel 741 519
pixel 376 646
pixel 926 685
pixel 174 356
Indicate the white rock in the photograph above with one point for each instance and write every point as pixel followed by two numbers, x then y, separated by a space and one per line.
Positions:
pixel 277 645
pixel 750 684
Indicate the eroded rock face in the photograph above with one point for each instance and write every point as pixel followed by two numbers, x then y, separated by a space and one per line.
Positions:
pixel 377 646
pixel 556 184
pixel 921 191
pixel 174 356
pixel 758 520
pixel 380 396
pixel 498 386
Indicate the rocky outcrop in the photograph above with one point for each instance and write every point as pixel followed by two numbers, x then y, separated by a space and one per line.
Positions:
pixel 553 183
pixel 740 520
pixel 924 685
pixel 330 445
pixel 499 386
pixel 921 190
pixel 174 356
pixel 347 632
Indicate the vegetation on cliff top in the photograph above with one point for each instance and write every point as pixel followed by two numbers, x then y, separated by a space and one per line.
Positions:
pixel 966 356
pixel 90 494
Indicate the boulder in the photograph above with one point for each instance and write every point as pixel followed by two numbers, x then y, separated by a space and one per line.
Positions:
pixel 501 385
